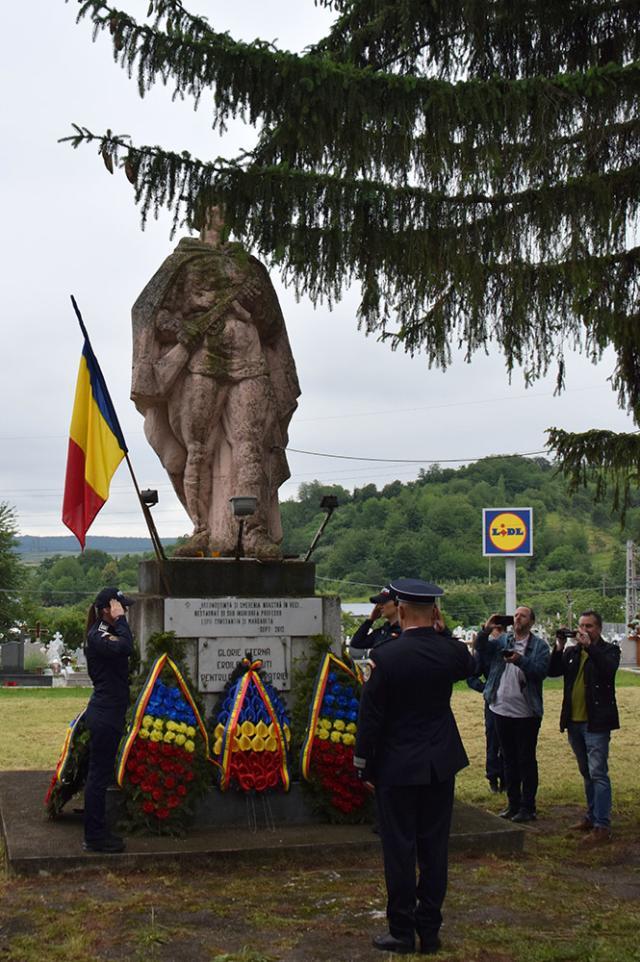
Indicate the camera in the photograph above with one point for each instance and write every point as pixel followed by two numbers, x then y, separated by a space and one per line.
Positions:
pixel 507 652
pixel 503 621
pixel 566 633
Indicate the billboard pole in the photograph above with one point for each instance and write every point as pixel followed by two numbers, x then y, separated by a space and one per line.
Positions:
pixel 510 586
pixel 507 533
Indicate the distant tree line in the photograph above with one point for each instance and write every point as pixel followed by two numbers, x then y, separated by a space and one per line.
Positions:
pixel 430 527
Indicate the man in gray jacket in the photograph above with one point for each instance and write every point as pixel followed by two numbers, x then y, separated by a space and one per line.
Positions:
pixel 517 663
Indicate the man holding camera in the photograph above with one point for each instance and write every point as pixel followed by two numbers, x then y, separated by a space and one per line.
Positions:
pixel 589 714
pixel 517 662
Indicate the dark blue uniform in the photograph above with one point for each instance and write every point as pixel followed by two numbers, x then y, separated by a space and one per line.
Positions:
pixel 409 741
pixel 107 650
pixel 365 638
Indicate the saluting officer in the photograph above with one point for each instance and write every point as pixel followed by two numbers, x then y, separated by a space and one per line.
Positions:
pixel 366 637
pixel 108 646
pixel 409 747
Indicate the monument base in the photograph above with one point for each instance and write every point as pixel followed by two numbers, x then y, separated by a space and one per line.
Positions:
pixel 218 577
pixel 34 845
pixel 224 608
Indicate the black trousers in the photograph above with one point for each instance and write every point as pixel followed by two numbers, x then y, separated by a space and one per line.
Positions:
pixel 494 762
pixel 414 827
pixel 103 748
pixel 518 741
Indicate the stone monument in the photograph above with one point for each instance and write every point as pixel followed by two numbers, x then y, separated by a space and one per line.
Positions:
pixel 214 377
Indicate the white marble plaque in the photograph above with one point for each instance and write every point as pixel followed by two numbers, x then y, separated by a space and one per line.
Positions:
pixel 242 618
pixel 217 657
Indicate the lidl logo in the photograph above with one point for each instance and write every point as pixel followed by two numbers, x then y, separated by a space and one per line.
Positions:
pixel 507 531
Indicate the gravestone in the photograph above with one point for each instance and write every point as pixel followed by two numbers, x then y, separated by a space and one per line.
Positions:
pixel 12 657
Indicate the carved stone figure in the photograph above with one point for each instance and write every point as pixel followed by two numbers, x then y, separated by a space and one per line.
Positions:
pixel 214 377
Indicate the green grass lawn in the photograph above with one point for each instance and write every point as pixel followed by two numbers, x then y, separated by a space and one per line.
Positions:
pixel 33 722
pixel 557 902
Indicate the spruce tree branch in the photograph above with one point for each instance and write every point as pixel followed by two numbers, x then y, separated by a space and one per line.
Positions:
pixel 482 165
pixel 484 35
pixel 610 459
pixel 328 100
pixel 333 197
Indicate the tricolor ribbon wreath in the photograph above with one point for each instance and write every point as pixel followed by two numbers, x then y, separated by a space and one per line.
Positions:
pixel 251 734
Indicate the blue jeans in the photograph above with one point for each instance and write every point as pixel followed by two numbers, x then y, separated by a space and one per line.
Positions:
pixel 592 753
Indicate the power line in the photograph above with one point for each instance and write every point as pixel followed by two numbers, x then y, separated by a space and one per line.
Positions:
pixel 452 404
pixel 430 460
pixel 363 414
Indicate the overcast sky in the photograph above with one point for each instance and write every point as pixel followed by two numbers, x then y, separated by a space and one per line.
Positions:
pixel 71 228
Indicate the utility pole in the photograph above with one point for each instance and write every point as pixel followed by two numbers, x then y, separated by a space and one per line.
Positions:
pixel 631 598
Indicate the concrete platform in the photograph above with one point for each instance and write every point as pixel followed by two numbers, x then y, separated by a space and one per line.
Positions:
pixel 34 844
pixel 10 679
pixel 217 577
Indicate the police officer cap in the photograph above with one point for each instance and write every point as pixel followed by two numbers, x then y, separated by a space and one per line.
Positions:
pixel 107 594
pixel 416 592
pixel 386 594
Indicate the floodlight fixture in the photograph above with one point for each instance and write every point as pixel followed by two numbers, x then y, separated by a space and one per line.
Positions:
pixel 329 503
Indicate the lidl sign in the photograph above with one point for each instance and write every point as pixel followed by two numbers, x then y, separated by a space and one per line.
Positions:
pixel 507 532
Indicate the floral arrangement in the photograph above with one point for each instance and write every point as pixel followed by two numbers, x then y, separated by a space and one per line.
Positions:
pixel 71 770
pixel 252 733
pixel 162 766
pixel 326 760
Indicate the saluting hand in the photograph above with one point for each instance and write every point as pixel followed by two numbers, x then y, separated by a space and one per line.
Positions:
pixel 115 608
pixel 438 620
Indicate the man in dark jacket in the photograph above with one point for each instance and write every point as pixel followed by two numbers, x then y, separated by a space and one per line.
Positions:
pixel 589 714
pixel 408 745
pixel 368 637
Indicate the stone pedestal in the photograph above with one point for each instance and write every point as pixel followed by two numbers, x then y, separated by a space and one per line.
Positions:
pixel 225 608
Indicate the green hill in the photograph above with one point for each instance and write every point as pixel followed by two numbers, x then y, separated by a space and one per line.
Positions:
pixel 432 527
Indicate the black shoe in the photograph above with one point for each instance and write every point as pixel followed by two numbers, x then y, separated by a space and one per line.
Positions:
pixel 493 786
pixel 430 946
pixel 524 816
pixel 508 812
pixel 389 943
pixel 110 844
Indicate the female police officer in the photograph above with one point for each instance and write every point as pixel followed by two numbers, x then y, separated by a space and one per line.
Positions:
pixel 107 648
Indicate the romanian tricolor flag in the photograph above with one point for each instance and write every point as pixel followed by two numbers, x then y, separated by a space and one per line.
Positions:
pixel 96 446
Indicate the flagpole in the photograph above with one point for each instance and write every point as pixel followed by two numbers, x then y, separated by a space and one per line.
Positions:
pixel 153 531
